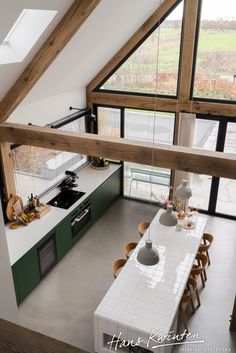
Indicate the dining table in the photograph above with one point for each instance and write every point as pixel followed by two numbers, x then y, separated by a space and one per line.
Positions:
pixel 139 312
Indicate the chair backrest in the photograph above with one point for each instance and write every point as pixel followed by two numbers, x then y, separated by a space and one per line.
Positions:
pixel 207 240
pixel 202 261
pixel 191 287
pixel 142 227
pixel 129 247
pixel 117 265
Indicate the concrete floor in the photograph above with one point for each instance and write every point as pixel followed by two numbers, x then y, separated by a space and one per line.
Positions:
pixel 62 305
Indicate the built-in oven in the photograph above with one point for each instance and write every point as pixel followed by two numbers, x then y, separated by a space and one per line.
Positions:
pixel 80 218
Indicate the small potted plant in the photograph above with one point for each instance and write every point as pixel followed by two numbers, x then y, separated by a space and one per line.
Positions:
pixel 99 163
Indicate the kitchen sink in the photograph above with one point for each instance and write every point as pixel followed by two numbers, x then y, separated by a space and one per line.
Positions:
pixel 66 198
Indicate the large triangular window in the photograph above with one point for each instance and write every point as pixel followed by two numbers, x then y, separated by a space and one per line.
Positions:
pixel 153 67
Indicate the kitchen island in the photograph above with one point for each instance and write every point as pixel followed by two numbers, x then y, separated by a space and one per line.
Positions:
pixel 144 300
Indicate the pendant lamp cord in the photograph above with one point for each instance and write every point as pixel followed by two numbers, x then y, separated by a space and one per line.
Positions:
pixel 155 105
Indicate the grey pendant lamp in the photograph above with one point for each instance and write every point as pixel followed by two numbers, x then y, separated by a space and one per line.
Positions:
pixel 147 255
pixel 168 217
pixel 184 191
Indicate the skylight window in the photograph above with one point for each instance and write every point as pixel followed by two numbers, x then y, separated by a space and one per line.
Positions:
pixel 25 32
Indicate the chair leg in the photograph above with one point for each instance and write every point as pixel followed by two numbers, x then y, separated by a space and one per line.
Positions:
pixel 208 256
pixel 198 297
pixel 202 278
pixel 205 275
pixel 183 317
pixel 192 305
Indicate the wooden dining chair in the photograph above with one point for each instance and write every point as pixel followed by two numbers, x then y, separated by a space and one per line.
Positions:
pixel 188 296
pixel 128 248
pixel 199 267
pixel 207 240
pixel 116 266
pixel 142 227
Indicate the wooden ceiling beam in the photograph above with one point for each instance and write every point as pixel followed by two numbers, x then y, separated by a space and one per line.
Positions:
pixel 165 156
pixel 61 35
pixel 161 104
pixel 212 108
pixel 132 101
pixel 136 38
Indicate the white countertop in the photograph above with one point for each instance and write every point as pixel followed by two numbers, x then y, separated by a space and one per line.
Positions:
pixel 143 298
pixel 24 238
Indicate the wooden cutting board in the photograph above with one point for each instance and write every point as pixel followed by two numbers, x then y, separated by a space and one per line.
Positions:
pixel 10 206
pixel 44 210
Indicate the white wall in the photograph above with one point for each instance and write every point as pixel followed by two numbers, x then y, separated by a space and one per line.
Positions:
pixel 9 11
pixel 8 306
pixel 48 110
pixel 109 26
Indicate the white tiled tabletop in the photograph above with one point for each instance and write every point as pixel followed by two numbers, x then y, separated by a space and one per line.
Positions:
pixel 143 298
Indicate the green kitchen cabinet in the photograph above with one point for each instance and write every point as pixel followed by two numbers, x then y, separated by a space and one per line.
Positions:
pixel 63 237
pixel 105 195
pixel 26 274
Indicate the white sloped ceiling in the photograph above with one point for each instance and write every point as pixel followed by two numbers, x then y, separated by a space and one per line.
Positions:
pixel 110 25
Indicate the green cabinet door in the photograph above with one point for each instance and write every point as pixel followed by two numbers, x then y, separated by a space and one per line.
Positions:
pixel 14 275
pixel 63 237
pixel 111 189
pixel 105 194
pixel 96 204
pixel 26 274
pixel 116 184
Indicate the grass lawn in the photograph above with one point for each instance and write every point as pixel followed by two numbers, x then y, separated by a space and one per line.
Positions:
pixel 213 41
pixel 217 52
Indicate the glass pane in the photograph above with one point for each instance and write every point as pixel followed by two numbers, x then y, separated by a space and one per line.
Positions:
pixel 216 65
pixel 230 140
pixel 141 181
pixel 146 183
pixel 77 125
pixel 227 189
pixel 226 197
pixel 38 169
pixel 109 122
pixel 205 136
pixel 142 124
pixel 153 67
pixel 201 187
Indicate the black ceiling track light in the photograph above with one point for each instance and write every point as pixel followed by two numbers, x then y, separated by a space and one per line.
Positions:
pixel 86 112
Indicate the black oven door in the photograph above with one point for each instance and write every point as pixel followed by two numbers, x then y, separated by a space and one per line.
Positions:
pixel 80 220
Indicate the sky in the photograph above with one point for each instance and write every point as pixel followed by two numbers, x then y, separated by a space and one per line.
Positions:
pixel 214 9
pixel 211 10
